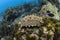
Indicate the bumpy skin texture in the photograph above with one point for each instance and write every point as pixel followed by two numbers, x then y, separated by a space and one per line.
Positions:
pixel 47 29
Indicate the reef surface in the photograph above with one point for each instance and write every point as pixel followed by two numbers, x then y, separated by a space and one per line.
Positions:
pixel 32 22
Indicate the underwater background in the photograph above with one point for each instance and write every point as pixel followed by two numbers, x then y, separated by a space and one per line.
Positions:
pixel 29 19
pixel 4 4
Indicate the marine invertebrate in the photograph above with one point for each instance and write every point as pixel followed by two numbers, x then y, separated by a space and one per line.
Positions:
pixel 31 22
pixel 33 27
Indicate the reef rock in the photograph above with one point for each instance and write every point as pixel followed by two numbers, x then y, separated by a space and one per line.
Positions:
pixel 33 27
pixel 50 10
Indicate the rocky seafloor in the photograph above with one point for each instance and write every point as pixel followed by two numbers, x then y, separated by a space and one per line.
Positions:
pixel 32 22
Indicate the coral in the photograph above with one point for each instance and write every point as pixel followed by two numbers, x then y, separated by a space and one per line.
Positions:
pixel 48 24
pixel 31 22
pixel 50 9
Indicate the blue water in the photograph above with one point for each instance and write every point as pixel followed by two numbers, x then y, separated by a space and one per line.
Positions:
pixel 4 4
